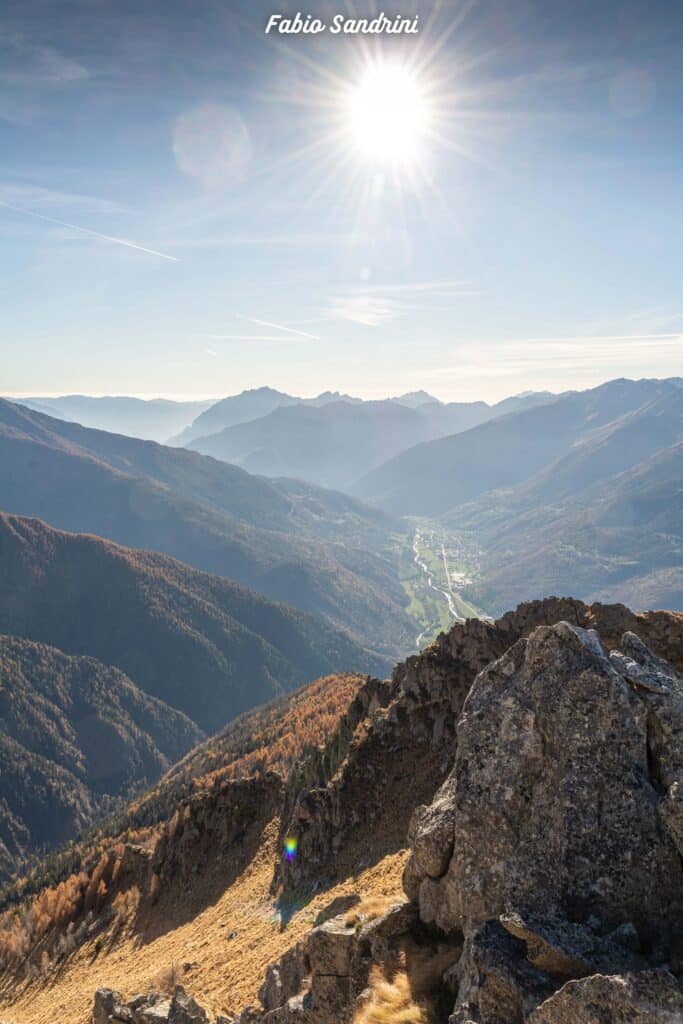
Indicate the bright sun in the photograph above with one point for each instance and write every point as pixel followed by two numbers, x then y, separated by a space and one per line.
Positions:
pixel 388 114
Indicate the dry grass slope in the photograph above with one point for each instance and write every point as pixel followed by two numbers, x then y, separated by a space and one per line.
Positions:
pixel 212 920
pixel 228 944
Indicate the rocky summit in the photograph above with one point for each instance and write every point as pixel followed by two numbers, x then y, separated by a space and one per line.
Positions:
pixel 545 877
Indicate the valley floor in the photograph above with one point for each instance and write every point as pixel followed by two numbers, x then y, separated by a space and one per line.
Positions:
pixel 218 944
pixel 435 567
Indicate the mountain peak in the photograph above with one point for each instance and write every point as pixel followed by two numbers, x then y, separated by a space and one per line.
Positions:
pixel 416 398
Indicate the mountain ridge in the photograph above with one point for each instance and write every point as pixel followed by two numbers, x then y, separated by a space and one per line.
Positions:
pixel 438 475
pixel 320 551
pixel 161 622
pixel 333 444
pixel 153 419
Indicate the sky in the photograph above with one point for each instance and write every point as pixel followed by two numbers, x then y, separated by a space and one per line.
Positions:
pixel 190 206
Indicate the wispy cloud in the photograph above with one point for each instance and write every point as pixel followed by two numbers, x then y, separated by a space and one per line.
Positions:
pixel 303 240
pixel 457 288
pixel 30 197
pixel 580 340
pixel 252 337
pixel 31 65
pixel 583 355
pixel 279 327
pixel 86 231
pixel 287 333
pixel 27 71
pixel 369 310
pixel 374 304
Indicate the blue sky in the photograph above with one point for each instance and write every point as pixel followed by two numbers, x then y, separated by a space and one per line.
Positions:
pixel 535 243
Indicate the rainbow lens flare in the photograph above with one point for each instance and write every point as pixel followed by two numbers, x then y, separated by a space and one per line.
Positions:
pixel 291 846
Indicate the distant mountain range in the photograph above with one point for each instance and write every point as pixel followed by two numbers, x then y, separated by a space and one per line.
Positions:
pixel 154 419
pixel 335 442
pixel 329 440
pixel 329 445
pixel 530 480
pixel 581 495
pixel 604 520
pixel 316 550
pixel 247 406
pixel 435 477
pixel 74 734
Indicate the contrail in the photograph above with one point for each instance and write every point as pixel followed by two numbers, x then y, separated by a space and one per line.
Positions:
pixel 87 231
pixel 279 327
pixel 257 337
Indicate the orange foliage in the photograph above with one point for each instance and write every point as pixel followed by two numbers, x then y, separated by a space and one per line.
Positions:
pixel 278 739
pixel 273 738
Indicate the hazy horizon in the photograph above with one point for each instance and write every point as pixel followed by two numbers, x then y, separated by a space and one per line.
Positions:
pixel 358 392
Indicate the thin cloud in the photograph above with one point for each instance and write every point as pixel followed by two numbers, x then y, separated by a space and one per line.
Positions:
pixel 372 305
pixel 368 310
pixel 87 231
pixel 418 287
pixel 577 353
pixel 37 197
pixel 293 240
pixel 279 327
pixel 27 64
pixel 580 339
pixel 258 337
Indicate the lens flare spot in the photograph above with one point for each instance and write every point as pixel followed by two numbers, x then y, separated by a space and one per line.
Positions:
pixel 212 144
pixel 291 847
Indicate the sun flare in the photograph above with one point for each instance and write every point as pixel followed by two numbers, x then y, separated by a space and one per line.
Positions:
pixel 388 114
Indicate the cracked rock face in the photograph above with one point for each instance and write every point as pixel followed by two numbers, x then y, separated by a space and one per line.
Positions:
pixel 555 845
pixel 551 856
pixel 650 997
pixel 554 795
pixel 153 1008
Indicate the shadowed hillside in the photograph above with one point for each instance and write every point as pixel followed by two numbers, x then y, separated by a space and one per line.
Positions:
pixel 316 550
pixel 207 647
pixel 74 734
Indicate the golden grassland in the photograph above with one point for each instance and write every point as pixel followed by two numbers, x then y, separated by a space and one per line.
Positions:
pixel 218 949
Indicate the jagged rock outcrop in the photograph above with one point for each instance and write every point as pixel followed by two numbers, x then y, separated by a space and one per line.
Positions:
pixel 215 823
pixel 411 739
pixel 286 978
pixel 153 1008
pixel 651 997
pixel 322 802
pixel 323 979
pixel 110 1007
pixel 559 825
pixel 539 780
pixel 493 980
